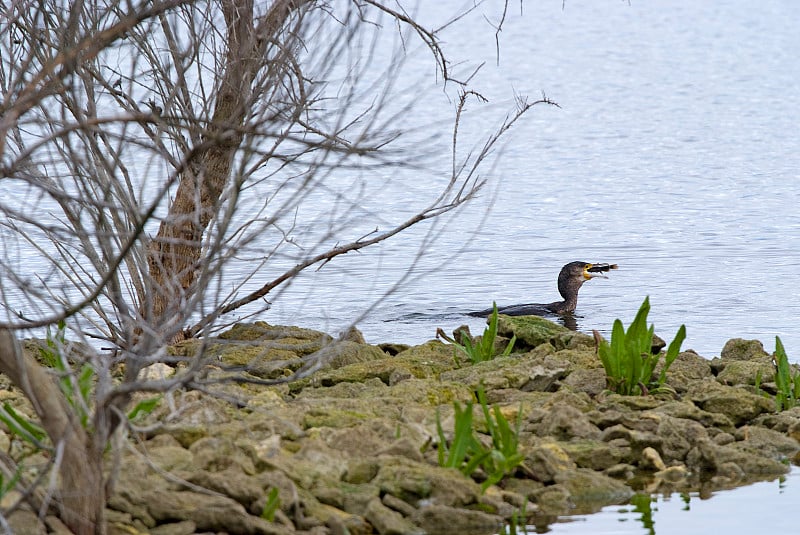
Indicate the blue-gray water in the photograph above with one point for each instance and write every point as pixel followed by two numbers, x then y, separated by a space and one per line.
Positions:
pixel 767 507
pixel 674 154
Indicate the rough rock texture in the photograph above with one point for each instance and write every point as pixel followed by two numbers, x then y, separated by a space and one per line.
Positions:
pixel 354 447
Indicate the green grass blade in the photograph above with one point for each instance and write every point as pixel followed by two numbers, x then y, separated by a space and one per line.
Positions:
pixel 617 350
pixel 21 426
pixel 271 505
pixel 510 347
pixel 788 386
pixel 145 407
pixel 441 448
pixel 487 341
pixel 672 353
pixel 463 438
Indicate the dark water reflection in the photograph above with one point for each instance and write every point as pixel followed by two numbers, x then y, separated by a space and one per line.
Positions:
pixel 765 507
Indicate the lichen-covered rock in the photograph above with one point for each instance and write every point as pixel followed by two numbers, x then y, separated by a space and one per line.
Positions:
pixel 592 381
pixel 266 351
pixel 432 394
pixel 547 460
pixel 425 361
pixel 554 499
pixel 231 482
pixel 594 454
pixel 593 490
pixel 339 354
pixel 437 519
pixel 689 411
pixel 414 481
pixel 746 372
pixel 787 422
pixel 209 513
pixel 260 331
pixel 508 372
pixel 678 435
pixel 565 422
pixel 353 447
pixel 737 404
pixel 215 454
pixel 170 458
pixel 533 331
pixel 687 367
pixel 766 442
pixel 387 521
pixel 741 349
pixel 350 498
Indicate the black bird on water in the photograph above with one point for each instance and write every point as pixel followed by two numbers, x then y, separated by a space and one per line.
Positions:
pixel 570 280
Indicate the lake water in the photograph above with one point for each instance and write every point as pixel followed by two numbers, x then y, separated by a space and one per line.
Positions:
pixel 767 507
pixel 674 154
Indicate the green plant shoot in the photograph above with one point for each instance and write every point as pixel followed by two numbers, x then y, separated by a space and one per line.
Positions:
pixel 628 360
pixel 271 505
pixel 466 453
pixel 484 349
pixel 787 383
pixel 51 355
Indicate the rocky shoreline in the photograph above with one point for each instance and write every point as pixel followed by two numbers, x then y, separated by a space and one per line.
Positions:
pixel 352 448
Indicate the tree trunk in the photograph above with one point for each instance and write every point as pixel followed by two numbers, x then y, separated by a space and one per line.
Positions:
pixel 175 253
pixel 81 494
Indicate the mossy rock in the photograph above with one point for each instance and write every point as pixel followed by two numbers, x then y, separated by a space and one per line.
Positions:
pixel 412 481
pixel 594 454
pixel 341 354
pixel 746 372
pixel 580 358
pixel 547 459
pixel 516 372
pixel 689 411
pixel 259 361
pixel 741 349
pixel 533 331
pixel 435 519
pixel 431 393
pixel 736 403
pixel 591 491
pixel 423 361
pixel 427 360
pixel 687 367
pixel 333 417
pixel 263 331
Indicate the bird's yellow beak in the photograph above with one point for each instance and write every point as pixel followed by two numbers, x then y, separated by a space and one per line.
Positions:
pixel 591 271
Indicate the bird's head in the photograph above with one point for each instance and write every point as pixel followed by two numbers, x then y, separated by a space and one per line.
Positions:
pixel 574 274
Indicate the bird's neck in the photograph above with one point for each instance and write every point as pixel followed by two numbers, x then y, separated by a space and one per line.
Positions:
pixel 566 306
pixel 570 303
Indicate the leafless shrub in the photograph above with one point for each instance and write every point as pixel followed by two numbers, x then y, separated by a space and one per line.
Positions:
pixel 149 147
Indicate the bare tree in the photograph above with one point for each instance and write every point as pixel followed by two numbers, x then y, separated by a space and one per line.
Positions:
pixel 149 146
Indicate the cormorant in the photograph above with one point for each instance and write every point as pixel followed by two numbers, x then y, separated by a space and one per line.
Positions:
pixel 570 280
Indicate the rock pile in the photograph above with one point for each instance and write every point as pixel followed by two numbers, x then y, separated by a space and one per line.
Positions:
pixel 352 448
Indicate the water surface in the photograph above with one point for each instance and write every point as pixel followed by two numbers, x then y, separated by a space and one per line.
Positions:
pixel 767 507
pixel 674 154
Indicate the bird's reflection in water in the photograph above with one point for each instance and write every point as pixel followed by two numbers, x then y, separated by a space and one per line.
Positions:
pixel 569 321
